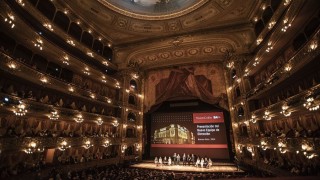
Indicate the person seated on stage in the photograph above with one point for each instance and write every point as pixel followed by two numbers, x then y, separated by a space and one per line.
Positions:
pixel 156 161
pixel 160 161
pixel 197 162
pixel 201 162
pixel 165 160
pixel 178 159
pixel 174 158
pixel 209 163
pixel 169 161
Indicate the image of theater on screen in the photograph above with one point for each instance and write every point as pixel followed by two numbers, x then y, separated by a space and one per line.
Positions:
pixel 173 134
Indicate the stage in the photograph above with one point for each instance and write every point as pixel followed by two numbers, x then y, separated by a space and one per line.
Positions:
pixel 216 167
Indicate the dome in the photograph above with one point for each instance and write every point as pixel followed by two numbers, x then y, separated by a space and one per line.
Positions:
pixel 153 9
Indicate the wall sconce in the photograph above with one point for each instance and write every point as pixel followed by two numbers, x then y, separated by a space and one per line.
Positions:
pixel 285 111
pixel 230 64
pixel 286 25
pixel 310 104
pixel 32 146
pixel 39 44
pixel 137 145
pixel 69 41
pixel 239 147
pixel 109 101
pixel 12 65
pixel 313 45
pixel 54 115
pixel 127 90
pixel 123 148
pixel 79 118
pixel 99 121
pixel 20 110
pixel 118 85
pixel 135 76
pixel 310 155
pixel 115 123
pixel 48 26
pixel 267 115
pixel 286 2
pixel 287 67
pixel 271 24
pixel 87 144
pixel 10 20
pixel 44 79
pixel 259 40
pixel 93 96
pixel 306 146
pixel 106 143
pixel 269 48
pixel 250 149
pixel 253 118
pixel 124 125
pixel 71 89
pixel 63 145
pixel 264 145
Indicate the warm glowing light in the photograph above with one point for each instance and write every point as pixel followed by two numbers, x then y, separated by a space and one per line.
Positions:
pixel 267 115
pixel 54 115
pixel 99 121
pixel 310 104
pixel 79 118
pixel 20 110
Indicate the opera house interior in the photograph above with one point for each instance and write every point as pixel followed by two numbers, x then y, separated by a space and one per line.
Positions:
pixel 85 84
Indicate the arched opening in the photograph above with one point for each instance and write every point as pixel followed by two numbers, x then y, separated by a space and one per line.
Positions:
pixel 7 43
pixel 47 8
pixel 259 27
pixel 267 14
pixel 62 21
pixel 133 85
pixel 98 46
pixel 131 117
pixel 23 53
pixel 75 31
pixel 132 99
pixel 311 27
pixel 107 53
pixel 87 39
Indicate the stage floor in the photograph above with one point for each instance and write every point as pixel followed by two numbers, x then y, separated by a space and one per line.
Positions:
pixel 217 167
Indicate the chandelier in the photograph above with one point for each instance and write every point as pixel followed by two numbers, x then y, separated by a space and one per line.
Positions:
pixel 63 145
pixel 87 144
pixel 137 145
pixel 267 115
pixel 106 143
pixel 54 115
pixel 99 121
pixel 32 147
pixel 123 148
pixel 253 119
pixel 20 110
pixel 79 119
pixel 264 145
pixel 310 104
pixel 115 123
pixel 285 111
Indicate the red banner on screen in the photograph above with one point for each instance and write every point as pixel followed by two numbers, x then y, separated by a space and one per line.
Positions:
pixel 212 117
pixel 193 146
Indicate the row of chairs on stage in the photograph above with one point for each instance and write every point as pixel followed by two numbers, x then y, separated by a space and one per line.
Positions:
pixel 200 162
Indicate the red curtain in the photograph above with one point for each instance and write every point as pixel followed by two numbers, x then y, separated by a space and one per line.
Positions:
pixel 183 83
